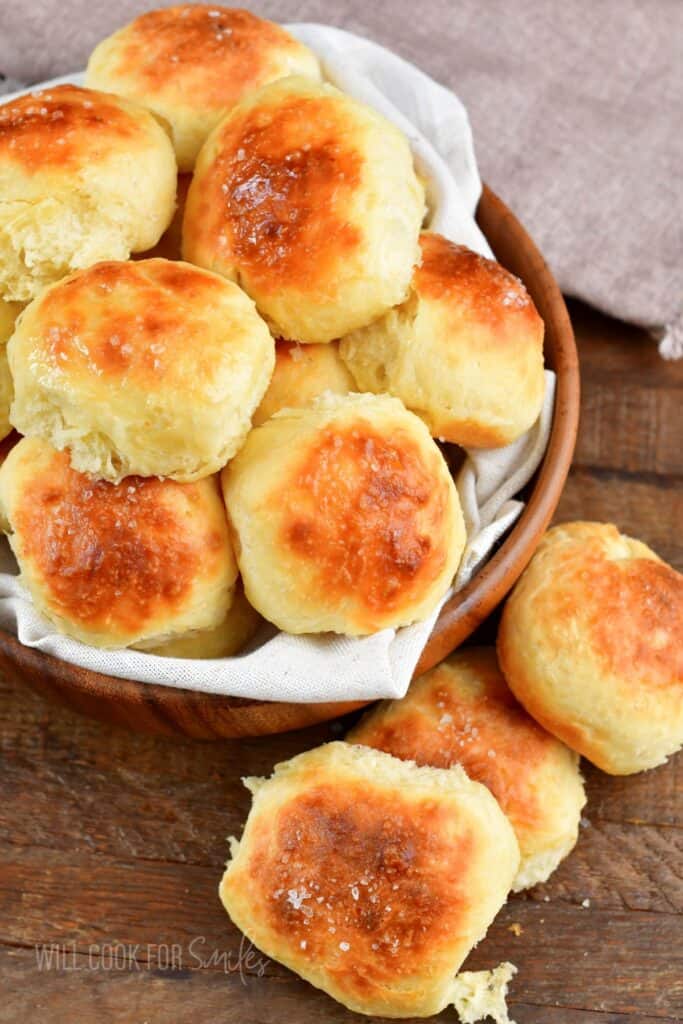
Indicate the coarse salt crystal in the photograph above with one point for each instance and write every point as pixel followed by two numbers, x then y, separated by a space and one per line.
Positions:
pixel 296 898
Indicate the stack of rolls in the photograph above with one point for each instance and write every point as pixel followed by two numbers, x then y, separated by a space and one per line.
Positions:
pixel 230 347
pixel 215 287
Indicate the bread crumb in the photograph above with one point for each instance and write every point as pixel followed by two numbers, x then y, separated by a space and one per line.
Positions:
pixel 253 783
pixel 586 903
pixel 516 928
pixel 480 994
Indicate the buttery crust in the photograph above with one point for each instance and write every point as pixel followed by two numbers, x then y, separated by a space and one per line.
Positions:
pixel 150 367
pixel 9 311
pixel 169 246
pixel 309 199
pixel 370 877
pixel 591 643
pixel 345 517
pixel 462 712
pixel 464 351
pixel 303 373
pixel 84 176
pixel 116 564
pixel 192 63
pixel 222 641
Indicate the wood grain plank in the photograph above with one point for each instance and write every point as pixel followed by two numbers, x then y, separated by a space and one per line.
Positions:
pixel 631 427
pixel 157 997
pixel 621 867
pixel 651 511
pixel 103 788
pixel 608 346
pixel 654 797
pixel 628 962
pixel 132 816
pixel 631 399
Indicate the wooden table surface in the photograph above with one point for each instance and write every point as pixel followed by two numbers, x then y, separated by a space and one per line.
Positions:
pixel 112 844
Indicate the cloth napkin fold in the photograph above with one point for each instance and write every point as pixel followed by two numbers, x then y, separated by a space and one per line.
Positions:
pixel 277 666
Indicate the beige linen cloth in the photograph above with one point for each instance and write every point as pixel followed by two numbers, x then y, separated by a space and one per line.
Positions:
pixel 576 106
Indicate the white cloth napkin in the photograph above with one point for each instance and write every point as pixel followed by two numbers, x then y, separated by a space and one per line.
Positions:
pixel 277 666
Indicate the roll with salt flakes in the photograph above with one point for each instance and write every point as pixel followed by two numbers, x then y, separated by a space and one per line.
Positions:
pixel 345 517
pixel 116 565
pixel 370 877
pixel 192 63
pixel 151 368
pixel 84 176
pixel 310 201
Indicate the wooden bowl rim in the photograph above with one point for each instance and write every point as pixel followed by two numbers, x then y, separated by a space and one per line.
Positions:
pixel 501 571
pixel 486 589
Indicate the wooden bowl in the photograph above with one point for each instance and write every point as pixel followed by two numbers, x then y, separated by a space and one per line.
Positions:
pixel 162 709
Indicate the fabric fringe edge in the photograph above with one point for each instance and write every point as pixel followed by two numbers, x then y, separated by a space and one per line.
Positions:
pixel 671 339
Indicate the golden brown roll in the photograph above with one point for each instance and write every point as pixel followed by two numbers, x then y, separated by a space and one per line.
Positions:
pixel 464 351
pixel 151 368
pixel 9 311
pixel 462 712
pixel 239 625
pixel 116 564
pixel 303 373
pixel 370 877
pixel 591 643
pixel 309 200
pixel 345 517
pixel 83 177
pixel 192 63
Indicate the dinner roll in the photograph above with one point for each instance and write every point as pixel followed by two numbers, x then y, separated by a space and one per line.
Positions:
pixel 9 311
pixel 151 368
pixel 462 712
pixel 303 373
pixel 464 351
pixel 345 517
pixel 591 643
pixel 370 877
pixel 309 200
pixel 83 177
pixel 114 565
pixel 192 63
pixel 239 625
